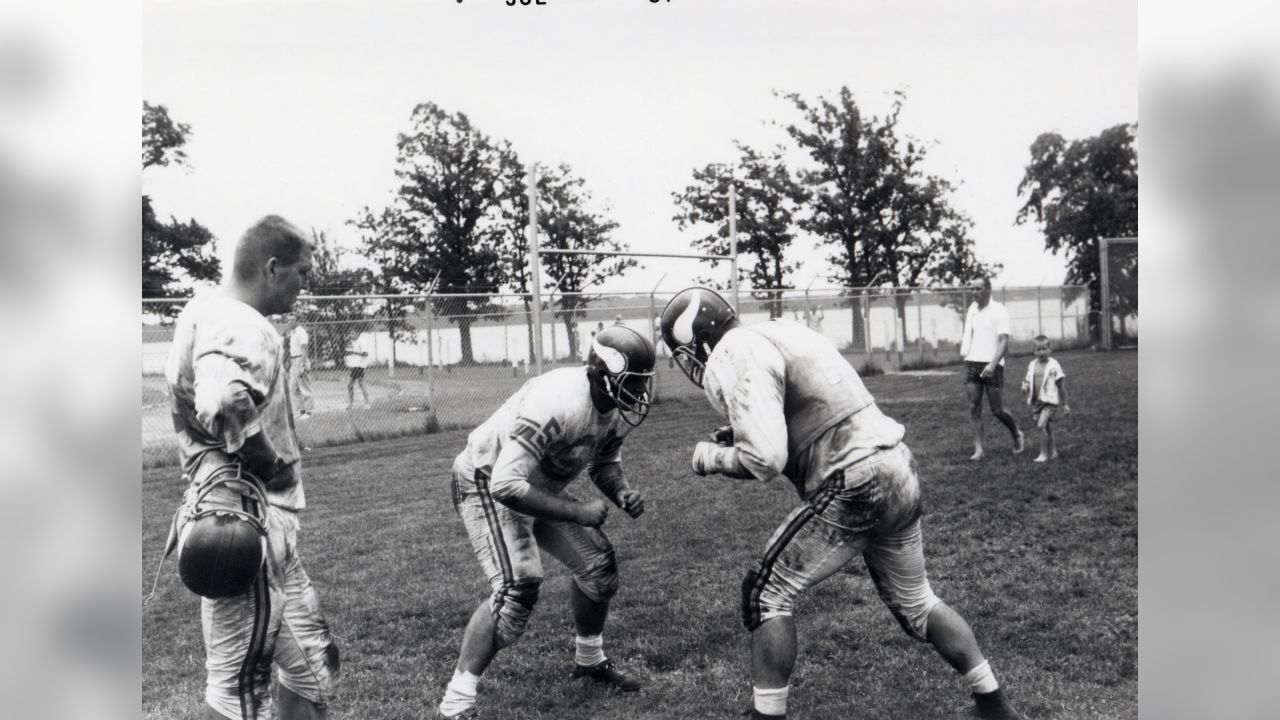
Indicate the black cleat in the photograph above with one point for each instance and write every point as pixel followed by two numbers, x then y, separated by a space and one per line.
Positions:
pixel 754 714
pixel 606 673
pixel 994 706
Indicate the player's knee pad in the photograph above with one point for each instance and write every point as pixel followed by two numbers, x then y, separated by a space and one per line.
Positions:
pixel 763 599
pixel 913 616
pixel 511 607
pixel 316 681
pixel 600 581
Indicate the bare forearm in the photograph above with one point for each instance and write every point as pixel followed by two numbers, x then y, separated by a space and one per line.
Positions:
pixel 540 503
pixel 609 480
pixel 1002 346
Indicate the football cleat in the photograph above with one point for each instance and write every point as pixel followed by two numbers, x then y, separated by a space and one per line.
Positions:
pixel 754 714
pixel 606 673
pixel 621 363
pixel 994 706
pixel 691 324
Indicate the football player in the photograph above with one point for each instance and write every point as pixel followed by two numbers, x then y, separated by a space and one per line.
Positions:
pixel 796 408
pixel 231 410
pixel 510 487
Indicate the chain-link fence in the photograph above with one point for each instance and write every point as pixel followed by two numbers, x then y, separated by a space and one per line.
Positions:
pixel 1118 288
pixel 385 366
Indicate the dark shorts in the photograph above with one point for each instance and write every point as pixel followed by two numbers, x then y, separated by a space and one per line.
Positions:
pixel 357 373
pixel 1037 408
pixel 974 375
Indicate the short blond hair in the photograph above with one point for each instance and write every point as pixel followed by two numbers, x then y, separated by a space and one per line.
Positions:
pixel 270 237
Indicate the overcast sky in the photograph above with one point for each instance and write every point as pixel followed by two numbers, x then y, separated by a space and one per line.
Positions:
pixel 295 106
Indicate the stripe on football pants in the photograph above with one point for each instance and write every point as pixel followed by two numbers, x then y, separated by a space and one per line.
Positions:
pixel 495 531
pixel 811 510
pixel 258 638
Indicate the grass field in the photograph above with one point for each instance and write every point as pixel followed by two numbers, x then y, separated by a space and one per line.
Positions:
pixel 1042 561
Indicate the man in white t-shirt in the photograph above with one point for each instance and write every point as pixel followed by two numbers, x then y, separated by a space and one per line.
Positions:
pixel 983 346
pixel 299 367
pixel 357 359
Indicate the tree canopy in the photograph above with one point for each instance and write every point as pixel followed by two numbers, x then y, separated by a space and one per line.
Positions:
pixel 1079 192
pixel 768 199
pixel 891 223
pixel 174 254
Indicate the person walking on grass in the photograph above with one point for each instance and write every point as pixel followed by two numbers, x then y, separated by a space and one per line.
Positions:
pixel 983 347
pixel 232 415
pixel 796 408
pixel 357 360
pixel 1046 389
pixel 299 366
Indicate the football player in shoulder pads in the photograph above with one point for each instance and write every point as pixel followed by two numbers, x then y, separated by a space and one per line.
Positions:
pixel 509 486
pixel 796 407
pixel 236 532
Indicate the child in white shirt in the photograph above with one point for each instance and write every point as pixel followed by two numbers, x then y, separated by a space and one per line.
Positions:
pixel 1046 389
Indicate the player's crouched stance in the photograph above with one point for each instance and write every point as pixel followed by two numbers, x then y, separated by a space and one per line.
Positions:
pixel 509 486
pixel 796 407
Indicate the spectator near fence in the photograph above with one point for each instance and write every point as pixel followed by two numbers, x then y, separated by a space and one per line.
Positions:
pixel 298 343
pixel 356 360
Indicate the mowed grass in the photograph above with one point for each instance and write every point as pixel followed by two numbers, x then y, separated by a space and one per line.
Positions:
pixel 1042 561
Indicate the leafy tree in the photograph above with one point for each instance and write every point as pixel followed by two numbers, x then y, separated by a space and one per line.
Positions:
pixel 568 221
pixel 514 214
pixel 173 253
pixel 1079 192
pixel 163 140
pixel 768 198
pixel 334 323
pixel 444 220
pixel 892 223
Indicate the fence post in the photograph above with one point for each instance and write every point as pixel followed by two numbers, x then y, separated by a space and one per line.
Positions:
pixel 431 365
pixel 1039 312
pixel 1062 312
pixel 920 323
pixel 898 330
pixel 653 337
pixel 391 335
pixel 551 305
pixel 866 322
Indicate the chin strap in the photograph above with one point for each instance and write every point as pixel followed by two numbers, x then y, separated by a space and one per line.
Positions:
pixel 233 476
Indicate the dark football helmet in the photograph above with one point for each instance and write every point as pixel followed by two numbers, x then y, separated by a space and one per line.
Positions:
pixel 622 360
pixel 691 324
pixel 222 550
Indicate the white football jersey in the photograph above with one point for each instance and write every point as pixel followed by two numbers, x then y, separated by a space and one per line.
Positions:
pixel 796 406
pixel 221 345
pixel 545 434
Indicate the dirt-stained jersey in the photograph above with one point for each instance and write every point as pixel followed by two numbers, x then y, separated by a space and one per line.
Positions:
pixel 545 435
pixel 796 405
pixel 226 380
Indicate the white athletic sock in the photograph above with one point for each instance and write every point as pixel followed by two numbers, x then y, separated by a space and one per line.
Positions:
pixel 771 701
pixel 461 693
pixel 981 679
pixel 589 650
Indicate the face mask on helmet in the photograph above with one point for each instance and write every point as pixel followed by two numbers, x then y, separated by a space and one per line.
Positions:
pixel 631 394
pixel 221 550
pixel 687 357
pixel 693 321
pixel 623 362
